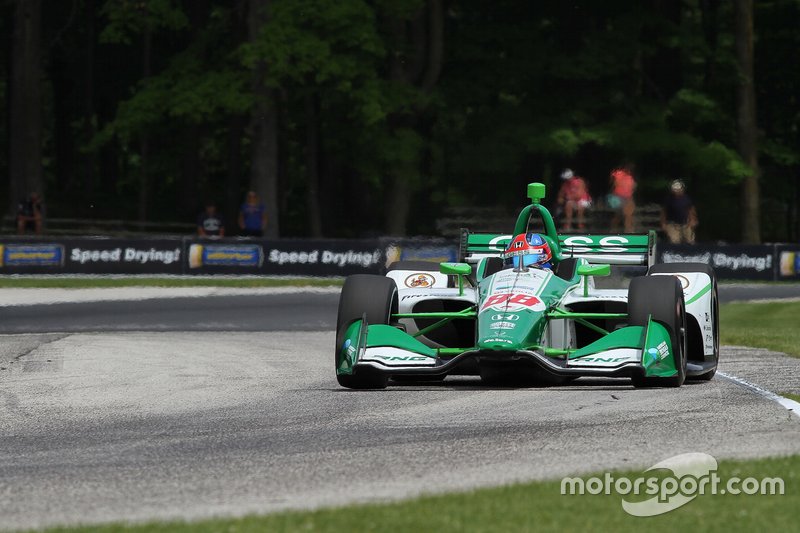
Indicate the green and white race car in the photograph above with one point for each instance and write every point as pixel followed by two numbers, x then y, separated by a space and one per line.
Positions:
pixel 424 321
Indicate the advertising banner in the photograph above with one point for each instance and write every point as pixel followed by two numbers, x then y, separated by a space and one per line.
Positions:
pixel 90 256
pixel 323 257
pixel 729 261
pixel 788 259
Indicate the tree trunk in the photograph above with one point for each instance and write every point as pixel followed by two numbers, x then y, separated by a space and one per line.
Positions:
pixel 264 126
pixel 25 132
pixel 746 122
pixel 404 176
pixel 144 140
pixel 312 166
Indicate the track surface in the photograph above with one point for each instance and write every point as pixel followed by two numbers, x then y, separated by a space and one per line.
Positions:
pixel 165 422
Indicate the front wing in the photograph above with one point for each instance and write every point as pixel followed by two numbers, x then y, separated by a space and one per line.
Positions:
pixel 629 351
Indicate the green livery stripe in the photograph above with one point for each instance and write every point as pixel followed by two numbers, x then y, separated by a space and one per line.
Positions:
pixel 628 337
pixel 700 293
pixel 383 335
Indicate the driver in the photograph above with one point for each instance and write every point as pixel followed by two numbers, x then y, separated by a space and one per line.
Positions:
pixel 526 250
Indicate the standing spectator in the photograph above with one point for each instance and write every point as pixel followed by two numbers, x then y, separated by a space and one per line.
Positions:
pixel 573 196
pixel 252 216
pixel 210 223
pixel 678 215
pixel 621 198
pixel 30 215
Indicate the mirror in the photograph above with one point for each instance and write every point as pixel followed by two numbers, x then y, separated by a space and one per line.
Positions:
pixel 455 269
pixel 594 270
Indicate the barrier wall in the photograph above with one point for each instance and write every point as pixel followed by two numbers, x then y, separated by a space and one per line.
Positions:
pixel 295 257
pixel 322 257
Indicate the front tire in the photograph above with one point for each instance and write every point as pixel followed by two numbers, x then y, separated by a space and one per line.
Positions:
pixel 677 268
pixel 660 297
pixel 375 297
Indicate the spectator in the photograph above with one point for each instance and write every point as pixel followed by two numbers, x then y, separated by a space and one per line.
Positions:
pixel 678 215
pixel 573 197
pixel 30 215
pixel 210 223
pixel 620 200
pixel 252 216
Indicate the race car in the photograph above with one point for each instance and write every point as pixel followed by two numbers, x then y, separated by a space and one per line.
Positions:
pixel 524 308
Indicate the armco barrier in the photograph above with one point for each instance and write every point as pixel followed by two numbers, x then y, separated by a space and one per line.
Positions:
pixel 321 257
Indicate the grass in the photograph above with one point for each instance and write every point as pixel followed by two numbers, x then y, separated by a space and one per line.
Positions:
pixel 772 325
pixel 111 282
pixel 536 506
pixel 791 396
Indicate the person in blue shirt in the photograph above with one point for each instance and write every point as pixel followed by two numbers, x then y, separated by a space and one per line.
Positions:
pixel 252 216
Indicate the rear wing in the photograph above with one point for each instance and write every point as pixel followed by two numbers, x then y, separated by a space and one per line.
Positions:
pixel 616 249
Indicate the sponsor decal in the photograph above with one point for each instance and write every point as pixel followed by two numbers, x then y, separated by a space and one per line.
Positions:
pixel 349 348
pixel 420 280
pixel 497 339
pixel 125 255
pixel 579 244
pixel 239 255
pixel 21 255
pixel 505 316
pixel 602 359
pixel 513 302
pixel 659 352
pixel 502 325
pixel 500 242
pixel 401 357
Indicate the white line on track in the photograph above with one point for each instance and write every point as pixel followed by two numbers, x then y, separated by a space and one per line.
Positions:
pixel 791 405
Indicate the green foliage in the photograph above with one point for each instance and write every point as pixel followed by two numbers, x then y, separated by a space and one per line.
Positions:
pixel 129 18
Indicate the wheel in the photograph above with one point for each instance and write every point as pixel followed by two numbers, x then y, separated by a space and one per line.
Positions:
pixel 692 352
pixel 662 298
pixel 377 297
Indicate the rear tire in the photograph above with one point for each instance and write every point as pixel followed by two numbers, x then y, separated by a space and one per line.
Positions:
pixel 375 296
pixel 662 298
pixel 676 268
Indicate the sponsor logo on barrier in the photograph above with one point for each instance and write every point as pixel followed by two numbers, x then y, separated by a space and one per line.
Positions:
pixel 238 255
pixel 759 263
pixel 22 255
pixel 124 255
pixel 790 263
pixel 325 257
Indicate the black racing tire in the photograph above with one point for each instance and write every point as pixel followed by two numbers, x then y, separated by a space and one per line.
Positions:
pixel 662 298
pixel 375 296
pixel 675 268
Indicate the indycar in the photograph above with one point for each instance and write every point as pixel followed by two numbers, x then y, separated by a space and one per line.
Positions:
pixel 424 321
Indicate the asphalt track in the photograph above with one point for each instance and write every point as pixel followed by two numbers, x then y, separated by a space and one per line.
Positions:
pixel 195 407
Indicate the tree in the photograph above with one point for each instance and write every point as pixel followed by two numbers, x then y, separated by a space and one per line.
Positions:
pixel 25 124
pixel 746 122
pixel 264 126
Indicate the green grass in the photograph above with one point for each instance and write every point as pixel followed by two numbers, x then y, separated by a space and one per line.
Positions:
pixel 772 325
pixel 537 506
pixel 791 396
pixel 110 282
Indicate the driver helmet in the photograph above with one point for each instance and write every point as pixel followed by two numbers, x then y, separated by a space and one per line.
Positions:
pixel 528 249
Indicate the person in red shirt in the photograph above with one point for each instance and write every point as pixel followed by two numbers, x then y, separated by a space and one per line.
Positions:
pixel 574 198
pixel 621 197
